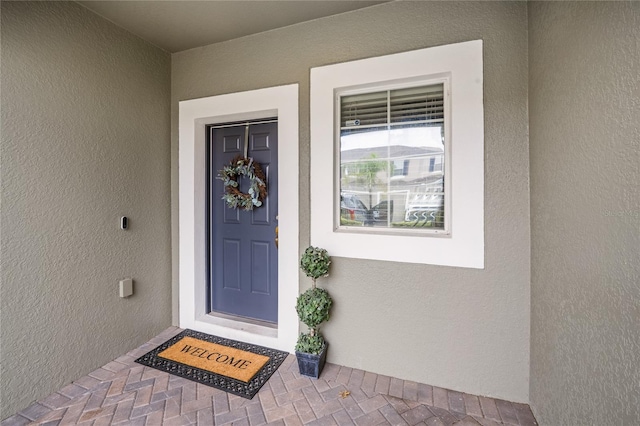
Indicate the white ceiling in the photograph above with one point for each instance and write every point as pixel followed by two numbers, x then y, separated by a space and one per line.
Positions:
pixel 179 25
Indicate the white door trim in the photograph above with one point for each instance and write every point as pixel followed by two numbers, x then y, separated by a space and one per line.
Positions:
pixel 194 115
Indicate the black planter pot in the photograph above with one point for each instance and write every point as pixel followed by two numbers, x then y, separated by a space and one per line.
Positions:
pixel 311 365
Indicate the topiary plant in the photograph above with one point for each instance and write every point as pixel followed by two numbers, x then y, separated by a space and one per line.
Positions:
pixel 315 263
pixel 314 304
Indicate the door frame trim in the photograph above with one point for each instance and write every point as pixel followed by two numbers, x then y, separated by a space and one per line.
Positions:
pixel 194 115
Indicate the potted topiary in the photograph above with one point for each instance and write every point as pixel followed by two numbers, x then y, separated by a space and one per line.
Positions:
pixel 313 309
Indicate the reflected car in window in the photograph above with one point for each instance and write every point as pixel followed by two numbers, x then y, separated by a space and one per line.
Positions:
pixel 353 211
pixel 382 211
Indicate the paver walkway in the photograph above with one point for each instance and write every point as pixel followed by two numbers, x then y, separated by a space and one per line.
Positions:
pixel 123 392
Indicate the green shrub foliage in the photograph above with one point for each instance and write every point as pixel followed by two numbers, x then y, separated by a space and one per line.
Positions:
pixel 313 307
pixel 310 344
pixel 315 263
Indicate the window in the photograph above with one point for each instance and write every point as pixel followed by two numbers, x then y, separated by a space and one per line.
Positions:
pixel 397 157
pixel 392 155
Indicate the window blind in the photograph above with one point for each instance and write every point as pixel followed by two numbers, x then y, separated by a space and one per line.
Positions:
pixel 424 105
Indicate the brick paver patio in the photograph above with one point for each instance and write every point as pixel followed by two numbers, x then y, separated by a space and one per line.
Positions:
pixel 126 393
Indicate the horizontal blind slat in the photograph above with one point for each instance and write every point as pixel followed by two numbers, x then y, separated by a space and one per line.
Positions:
pixel 424 103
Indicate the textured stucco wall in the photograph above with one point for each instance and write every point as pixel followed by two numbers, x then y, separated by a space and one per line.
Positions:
pixel 458 328
pixel 85 139
pixel 585 208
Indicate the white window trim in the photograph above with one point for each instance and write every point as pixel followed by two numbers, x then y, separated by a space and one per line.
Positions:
pixel 194 115
pixel 464 246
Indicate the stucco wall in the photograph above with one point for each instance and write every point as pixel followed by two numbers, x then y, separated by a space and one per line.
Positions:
pixel 457 328
pixel 85 139
pixel 585 208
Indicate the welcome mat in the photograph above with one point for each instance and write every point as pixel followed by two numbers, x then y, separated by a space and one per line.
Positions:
pixel 235 367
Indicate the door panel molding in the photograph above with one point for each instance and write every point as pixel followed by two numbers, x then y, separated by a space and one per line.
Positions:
pixel 261 264
pixel 231 256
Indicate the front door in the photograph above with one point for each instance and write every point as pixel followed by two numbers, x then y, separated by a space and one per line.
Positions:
pixel 243 256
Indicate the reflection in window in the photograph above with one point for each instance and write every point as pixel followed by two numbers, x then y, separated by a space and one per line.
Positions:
pixel 392 149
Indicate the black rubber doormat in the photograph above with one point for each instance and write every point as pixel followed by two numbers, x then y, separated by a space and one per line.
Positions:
pixel 235 367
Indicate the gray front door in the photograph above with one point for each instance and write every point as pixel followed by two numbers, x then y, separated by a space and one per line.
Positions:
pixel 243 256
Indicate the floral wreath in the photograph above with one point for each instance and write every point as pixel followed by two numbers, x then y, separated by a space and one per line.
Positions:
pixel 243 166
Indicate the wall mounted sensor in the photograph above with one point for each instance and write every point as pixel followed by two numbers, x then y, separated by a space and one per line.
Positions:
pixel 125 287
pixel 124 222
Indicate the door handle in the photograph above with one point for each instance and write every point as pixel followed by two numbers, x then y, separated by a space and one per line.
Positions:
pixel 276 237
